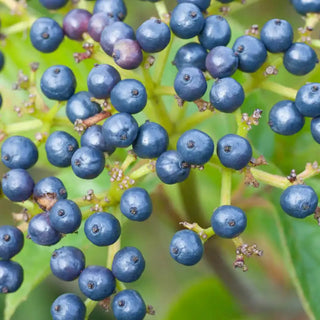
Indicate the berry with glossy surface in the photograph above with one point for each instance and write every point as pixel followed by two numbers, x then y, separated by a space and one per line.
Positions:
pixel 11 276
pixel 190 84
pixel 234 151
pixel 186 247
pixel 58 83
pixel 102 229
pixel 121 129
pixel 60 147
pixel 300 59
pixel 285 119
pixel 299 201
pixel 315 129
pixel 308 100
pixel 53 4
pixel 96 282
pixel 114 8
pixel 172 168
pixel 11 241
pixel 17 185
pixel 152 140
pixel 186 20
pixel 128 305
pixel 128 264
pixel 228 221
pixel 216 32
pixel 98 22
pixel 101 80
pixel 226 95
pixel 67 263
pixel 65 216
pixel 202 4
pixel 251 52
pixel 46 35
pixel 306 6
pixel 75 23
pixel 136 204
pixel 68 306
pixel 19 152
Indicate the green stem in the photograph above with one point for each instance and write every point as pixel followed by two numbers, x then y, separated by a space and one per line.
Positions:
pixel 164 91
pixel 90 305
pixel 315 43
pixel 161 9
pixel 23 126
pixel 19 27
pixel 270 179
pixel 226 186
pixel 279 89
pixel 242 126
pixel 192 121
pixel 112 250
pixel 142 171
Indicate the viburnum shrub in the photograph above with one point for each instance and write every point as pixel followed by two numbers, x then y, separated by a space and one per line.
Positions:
pixel 149 149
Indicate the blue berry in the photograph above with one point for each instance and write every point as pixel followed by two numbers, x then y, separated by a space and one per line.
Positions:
pixel 315 129
pixel 0 100
pixel 96 282
pixel 98 22
pixel 152 140
pixel 216 32
pixel 11 276
pixel 171 167
pixel 153 35
pixel 53 4
pixel 94 138
pixel 102 229
pixel 87 162
pixel 80 106
pixel 251 52
pixel 68 306
pixel 129 96
pixel 75 23
pixel 17 185
pixel 41 231
pixel 19 152
pixel 128 264
pixel 127 54
pixel 67 263
pixel 115 8
pixel 121 129
pixel 202 4
pixel 306 6
pixel 128 305
pixel 234 151
pixel 226 95
pixel 221 62
pixel 58 83
pixel 186 247
pixel 114 32
pixel 60 147
pixel 46 35
pixel 65 216
pixel 190 84
pixel 136 204
pixel 285 119
pixel 308 100
pixel 101 80
pixel 191 55
pixel 300 59
pixel 2 59
pixel 11 241
pixel 299 201
pixel 195 147
pixel 228 221
pixel 186 20
pixel 277 35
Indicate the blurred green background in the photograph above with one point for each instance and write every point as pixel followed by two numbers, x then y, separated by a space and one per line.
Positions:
pixel 282 284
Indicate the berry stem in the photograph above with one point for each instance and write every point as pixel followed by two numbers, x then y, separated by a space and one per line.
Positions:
pixel 279 89
pixel 242 126
pixel 226 186
pixel 112 250
pixel 161 9
pixel 164 91
pixel 142 171
pixel 90 305
pixel 271 179
pixel 28 125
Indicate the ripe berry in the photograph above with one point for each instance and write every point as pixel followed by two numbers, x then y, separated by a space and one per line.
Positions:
pixel 299 201
pixel 60 147
pixel 315 129
pixel 228 221
pixel 186 247
pixel 152 140
pixel 53 4
pixel 75 23
pixel 306 6
pixel 308 100
pixel 68 306
pixel 234 151
pixel 98 22
pixel 128 304
pixel 19 152
pixel 128 264
pixel 216 32
pixel 11 241
pixel 102 229
pixel 58 83
pixel 190 84
pixel 114 8
pixel 226 95
pixel 202 4
pixel 11 276
pixel 67 263
pixel 285 119
pixel 96 282
pixel 17 185
pixel 136 204
pixel 46 35
pixel 172 168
